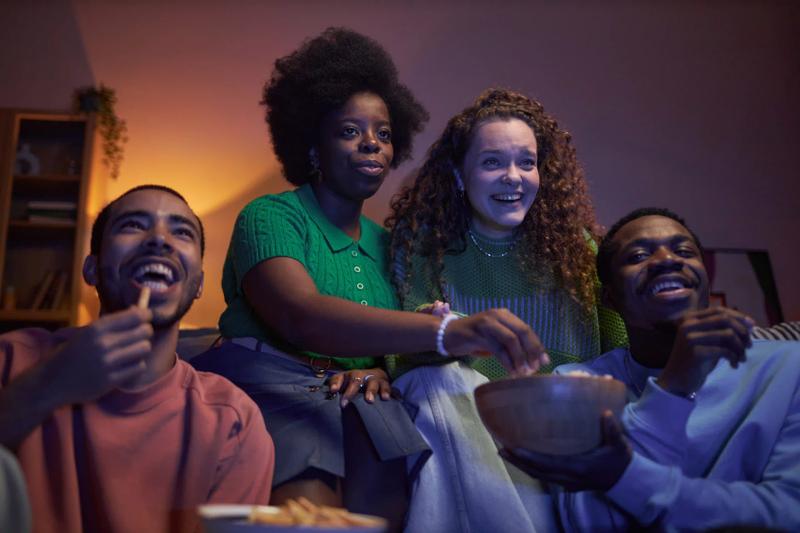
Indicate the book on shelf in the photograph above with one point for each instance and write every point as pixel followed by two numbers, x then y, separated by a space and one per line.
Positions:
pixel 44 219
pixel 52 212
pixel 41 290
pixel 51 291
pixel 48 205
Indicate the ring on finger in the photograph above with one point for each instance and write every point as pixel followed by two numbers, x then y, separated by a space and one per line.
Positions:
pixel 368 377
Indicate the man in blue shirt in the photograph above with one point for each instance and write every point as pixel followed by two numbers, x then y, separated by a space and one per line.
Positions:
pixel 712 432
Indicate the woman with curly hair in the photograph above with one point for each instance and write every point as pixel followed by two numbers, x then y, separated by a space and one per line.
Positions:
pixel 310 306
pixel 498 216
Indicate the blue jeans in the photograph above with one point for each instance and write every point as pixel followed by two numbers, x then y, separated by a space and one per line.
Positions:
pixel 465 486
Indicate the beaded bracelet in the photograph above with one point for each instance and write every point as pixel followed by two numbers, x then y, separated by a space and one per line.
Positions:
pixel 440 333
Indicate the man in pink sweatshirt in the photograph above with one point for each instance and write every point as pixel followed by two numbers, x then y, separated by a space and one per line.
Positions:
pixel 112 430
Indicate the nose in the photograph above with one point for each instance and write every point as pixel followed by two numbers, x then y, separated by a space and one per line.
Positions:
pixel 369 144
pixel 158 239
pixel 665 259
pixel 511 175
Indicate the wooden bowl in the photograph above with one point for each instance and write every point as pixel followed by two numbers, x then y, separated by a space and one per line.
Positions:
pixel 558 415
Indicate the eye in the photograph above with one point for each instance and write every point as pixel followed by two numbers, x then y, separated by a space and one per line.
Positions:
pixel 131 224
pixel 528 163
pixel 185 232
pixel 636 256
pixel 490 162
pixel 349 132
pixel 385 135
pixel 685 251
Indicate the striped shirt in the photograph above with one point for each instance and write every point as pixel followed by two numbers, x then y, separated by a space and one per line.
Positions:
pixel 785 331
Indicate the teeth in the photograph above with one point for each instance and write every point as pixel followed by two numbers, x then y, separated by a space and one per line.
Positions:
pixel 155 268
pixel 156 286
pixel 663 286
pixel 507 197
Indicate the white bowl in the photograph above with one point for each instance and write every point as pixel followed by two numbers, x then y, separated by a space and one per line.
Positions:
pixel 226 518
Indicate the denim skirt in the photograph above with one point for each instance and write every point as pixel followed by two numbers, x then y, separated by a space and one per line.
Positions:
pixel 304 418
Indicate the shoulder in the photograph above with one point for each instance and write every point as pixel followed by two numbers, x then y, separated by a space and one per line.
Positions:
pixel 27 338
pixel 28 345
pixel 778 354
pixel 216 394
pixel 287 200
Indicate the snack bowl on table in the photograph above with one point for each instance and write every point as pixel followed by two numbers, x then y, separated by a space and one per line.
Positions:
pixel 552 414
pixel 231 518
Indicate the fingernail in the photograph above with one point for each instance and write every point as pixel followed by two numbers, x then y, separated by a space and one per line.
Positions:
pixel 344 402
pixel 385 396
pixel 370 398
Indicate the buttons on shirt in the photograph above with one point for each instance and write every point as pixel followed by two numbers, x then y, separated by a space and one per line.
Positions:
pixel 364 302
pixel 356 268
pixel 360 286
pixel 354 253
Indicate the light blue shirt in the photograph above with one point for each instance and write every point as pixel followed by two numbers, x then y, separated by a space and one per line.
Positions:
pixel 730 457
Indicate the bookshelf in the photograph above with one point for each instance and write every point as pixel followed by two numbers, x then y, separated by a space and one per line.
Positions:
pixel 52 184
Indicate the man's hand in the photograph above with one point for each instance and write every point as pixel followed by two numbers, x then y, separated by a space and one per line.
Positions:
pixel 92 361
pixel 499 332
pixel 101 356
pixel 702 338
pixel 598 469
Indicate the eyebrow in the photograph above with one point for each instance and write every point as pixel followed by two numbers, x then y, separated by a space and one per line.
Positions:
pixel 676 239
pixel 359 121
pixel 499 151
pixel 173 218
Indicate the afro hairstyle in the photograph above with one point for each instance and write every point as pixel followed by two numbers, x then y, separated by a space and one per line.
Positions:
pixel 320 77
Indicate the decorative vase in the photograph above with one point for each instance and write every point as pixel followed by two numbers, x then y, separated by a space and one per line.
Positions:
pixel 26 163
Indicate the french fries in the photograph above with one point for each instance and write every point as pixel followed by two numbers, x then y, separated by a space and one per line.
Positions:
pixel 144 298
pixel 302 512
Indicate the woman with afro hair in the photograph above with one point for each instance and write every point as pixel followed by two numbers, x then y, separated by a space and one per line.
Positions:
pixel 311 310
pixel 498 216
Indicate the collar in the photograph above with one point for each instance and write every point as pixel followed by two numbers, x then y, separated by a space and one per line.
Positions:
pixel 370 242
pixel 138 400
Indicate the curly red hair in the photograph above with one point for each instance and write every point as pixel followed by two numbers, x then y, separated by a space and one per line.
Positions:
pixel 431 217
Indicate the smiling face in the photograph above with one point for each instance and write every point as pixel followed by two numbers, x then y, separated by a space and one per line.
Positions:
pixel 152 239
pixel 355 148
pixel 500 175
pixel 657 272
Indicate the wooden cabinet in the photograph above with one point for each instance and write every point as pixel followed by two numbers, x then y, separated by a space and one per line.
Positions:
pixel 51 188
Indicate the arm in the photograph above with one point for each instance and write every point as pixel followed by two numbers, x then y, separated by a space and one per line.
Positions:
pixel 93 361
pixel 652 492
pixel 286 298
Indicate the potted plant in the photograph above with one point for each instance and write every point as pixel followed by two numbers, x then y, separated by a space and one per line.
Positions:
pixel 102 100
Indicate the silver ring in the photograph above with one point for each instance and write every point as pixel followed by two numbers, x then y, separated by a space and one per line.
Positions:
pixel 358 380
pixel 368 377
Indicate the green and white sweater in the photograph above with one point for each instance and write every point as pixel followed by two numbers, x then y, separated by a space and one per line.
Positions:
pixel 475 282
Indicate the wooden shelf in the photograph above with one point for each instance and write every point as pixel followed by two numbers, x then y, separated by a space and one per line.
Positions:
pixel 35 315
pixel 28 224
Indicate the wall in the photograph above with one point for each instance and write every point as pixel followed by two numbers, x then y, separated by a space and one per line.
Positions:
pixel 690 105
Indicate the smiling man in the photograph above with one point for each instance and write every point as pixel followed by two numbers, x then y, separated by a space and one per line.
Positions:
pixel 713 422
pixel 113 431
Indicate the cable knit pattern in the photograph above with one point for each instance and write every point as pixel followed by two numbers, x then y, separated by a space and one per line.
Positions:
pixel 291 224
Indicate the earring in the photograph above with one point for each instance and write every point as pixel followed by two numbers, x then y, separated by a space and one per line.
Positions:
pixel 313 162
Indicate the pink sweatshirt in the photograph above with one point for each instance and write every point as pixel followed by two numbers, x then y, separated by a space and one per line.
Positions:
pixel 140 460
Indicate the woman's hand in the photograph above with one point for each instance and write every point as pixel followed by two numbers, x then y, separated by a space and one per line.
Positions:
pixel 371 381
pixel 498 332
